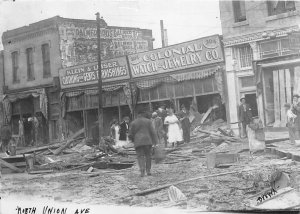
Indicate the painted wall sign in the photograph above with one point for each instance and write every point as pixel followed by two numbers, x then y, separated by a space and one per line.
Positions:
pixel 112 70
pixel 181 56
pixel 78 42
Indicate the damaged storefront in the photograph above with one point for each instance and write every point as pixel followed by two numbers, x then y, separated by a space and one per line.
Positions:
pixel 27 114
pixel 277 79
pixel 79 96
pixel 186 74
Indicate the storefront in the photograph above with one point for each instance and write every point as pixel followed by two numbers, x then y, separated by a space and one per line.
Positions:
pixel 79 96
pixel 183 74
pixel 30 107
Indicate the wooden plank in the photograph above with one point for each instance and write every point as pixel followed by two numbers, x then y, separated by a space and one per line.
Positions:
pixel 283 117
pixel 297 80
pixel 69 141
pixel 276 98
pixel 288 86
pixel 12 167
pixel 206 115
pixel 31 150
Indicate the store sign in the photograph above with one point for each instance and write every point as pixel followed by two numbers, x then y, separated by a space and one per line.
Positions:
pixel 112 70
pixel 176 57
pixel 294 40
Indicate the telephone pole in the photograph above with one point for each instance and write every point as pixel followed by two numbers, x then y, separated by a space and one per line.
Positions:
pixel 100 108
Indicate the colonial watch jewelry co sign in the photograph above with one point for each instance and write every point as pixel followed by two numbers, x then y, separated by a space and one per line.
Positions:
pixel 185 55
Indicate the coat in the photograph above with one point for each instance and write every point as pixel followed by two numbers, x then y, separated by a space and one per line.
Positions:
pixel 142 132
pixel 296 111
pixel 158 126
pixel 123 130
pixel 245 116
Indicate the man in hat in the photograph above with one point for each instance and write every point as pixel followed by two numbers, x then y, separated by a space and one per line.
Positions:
pixel 158 126
pixel 143 136
pixel 245 116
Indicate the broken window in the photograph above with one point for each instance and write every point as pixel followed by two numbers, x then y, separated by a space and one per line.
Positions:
pixel 239 10
pixel 278 7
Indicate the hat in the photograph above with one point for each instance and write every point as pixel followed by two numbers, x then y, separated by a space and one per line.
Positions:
pixel 296 95
pixel 243 98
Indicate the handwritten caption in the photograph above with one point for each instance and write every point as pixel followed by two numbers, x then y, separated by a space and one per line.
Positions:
pixel 50 210
pixel 266 195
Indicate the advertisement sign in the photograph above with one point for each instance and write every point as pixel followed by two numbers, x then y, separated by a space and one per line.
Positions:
pixel 86 74
pixel 78 42
pixel 176 57
pixel 294 40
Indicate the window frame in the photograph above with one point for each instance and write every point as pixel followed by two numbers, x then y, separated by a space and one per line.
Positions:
pixel 239 58
pixel 237 11
pixel 30 64
pixel 15 66
pixel 46 60
pixel 272 12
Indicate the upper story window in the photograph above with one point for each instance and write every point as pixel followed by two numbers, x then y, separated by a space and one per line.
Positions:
pixel 273 48
pixel 239 10
pixel 46 60
pixel 245 55
pixel 15 66
pixel 278 7
pixel 30 66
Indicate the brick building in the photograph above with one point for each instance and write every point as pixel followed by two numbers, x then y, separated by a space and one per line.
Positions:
pixel 260 63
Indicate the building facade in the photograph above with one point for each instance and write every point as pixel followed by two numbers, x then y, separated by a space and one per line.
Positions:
pixel 260 60
pixel 34 54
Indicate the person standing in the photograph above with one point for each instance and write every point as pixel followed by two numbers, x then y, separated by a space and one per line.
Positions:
pixel 158 126
pixel 124 127
pixel 114 130
pixel 143 136
pixel 290 122
pixel 296 111
pixel 21 132
pixel 174 133
pixel 185 124
pixel 245 116
pixel 162 113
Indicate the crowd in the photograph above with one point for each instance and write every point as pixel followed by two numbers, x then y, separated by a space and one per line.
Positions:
pixel 171 129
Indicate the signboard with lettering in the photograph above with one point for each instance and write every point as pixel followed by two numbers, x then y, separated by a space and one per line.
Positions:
pixel 176 57
pixel 86 74
pixel 294 40
pixel 78 41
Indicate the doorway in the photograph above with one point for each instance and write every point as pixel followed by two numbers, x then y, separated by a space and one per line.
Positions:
pixel 251 100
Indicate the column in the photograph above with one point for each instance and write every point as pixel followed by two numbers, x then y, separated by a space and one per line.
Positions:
pixel 282 97
pixel 276 98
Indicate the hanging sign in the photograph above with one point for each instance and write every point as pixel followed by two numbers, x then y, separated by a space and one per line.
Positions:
pixel 86 74
pixel 191 54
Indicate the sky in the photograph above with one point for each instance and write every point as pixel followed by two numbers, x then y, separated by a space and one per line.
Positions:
pixel 184 19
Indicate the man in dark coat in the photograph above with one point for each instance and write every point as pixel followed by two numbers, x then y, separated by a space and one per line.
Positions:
pixel 124 127
pixel 143 136
pixel 185 124
pixel 162 113
pixel 245 116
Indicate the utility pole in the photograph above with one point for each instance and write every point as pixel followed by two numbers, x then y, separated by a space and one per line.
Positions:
pixel 100 109
pixel 162 33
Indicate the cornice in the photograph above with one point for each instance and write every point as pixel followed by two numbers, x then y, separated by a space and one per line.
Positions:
pixel 29 35
pixel 259 36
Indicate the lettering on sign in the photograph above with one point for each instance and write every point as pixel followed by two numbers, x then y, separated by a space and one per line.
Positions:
pixel 186 55
pixel 78 42
pixel 266 195
pixel 114 69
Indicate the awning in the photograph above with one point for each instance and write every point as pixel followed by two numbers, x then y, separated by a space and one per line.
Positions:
pixel 147 84
pixel 200 74
pixel 10 98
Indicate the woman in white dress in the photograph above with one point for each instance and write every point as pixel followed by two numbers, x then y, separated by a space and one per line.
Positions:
pixel 174 132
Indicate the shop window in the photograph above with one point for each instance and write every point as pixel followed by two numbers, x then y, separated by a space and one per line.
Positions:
pixel 245 55
pixel 170 90
pixel 114 98
pixel 46 60
pixel 144 95
pixel 30 65
pixel 278 7
pixel 207 85
pixel 188 88
pixel 239 10
pixel 198 85
pixel 179 89
pixel 162 91
pixel 153 94
pixel 15 66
